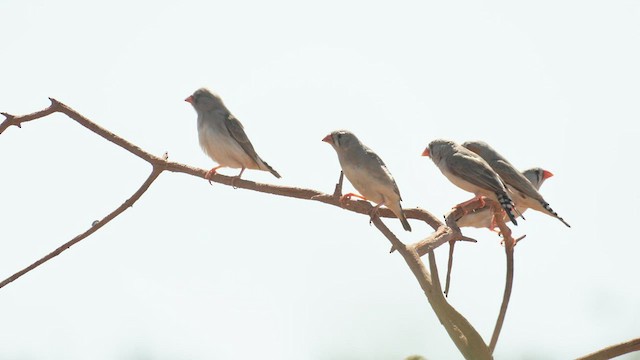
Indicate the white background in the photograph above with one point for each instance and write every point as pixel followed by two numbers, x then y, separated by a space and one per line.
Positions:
pixel 195 271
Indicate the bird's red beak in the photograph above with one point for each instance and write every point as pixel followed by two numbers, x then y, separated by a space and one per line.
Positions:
pixel 426 152
pixel 189 99
pixel 328 139
pixel 546 174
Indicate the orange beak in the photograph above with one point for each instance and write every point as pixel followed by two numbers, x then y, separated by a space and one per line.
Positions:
pixel 328 139
pixel 189 99
pixel 426 152
pixel 546 174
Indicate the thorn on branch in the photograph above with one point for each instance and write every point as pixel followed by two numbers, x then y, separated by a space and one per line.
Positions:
pixel 10 119
pixel 466 238
pixel 338 191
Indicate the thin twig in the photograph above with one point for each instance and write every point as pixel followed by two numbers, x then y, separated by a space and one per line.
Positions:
pixel 509 244
pixel 94 227
pixel 447 282
pixel 614 351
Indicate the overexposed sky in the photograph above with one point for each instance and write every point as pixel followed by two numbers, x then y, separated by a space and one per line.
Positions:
pixel 195 271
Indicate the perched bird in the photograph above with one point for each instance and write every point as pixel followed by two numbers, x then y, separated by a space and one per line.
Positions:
pixel 222 136
pixel 483 217
pixel 469 172
pixel 367 173
pixel 522 191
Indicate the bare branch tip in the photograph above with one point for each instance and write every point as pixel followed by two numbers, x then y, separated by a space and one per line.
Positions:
pixel 466 238
pixel 54 102
pixel 338 190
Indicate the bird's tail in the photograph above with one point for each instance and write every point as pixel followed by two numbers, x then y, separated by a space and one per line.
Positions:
pixel 549 210
pixel 270 169
pixel 403 219
pixel 507 204
pixel 405 223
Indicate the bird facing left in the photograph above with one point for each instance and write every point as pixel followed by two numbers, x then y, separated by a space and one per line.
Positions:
pixel 367 173
pixel 222 136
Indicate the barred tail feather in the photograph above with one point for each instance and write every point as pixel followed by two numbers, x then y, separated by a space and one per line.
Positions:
pixel 270 169
pixel 548 208
pixel 507 205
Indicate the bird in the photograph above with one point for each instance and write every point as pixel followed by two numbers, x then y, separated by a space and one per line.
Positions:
pixel 470 172
pixel 367 173
pixel 483 217
pixel 522 191
pixel 222 136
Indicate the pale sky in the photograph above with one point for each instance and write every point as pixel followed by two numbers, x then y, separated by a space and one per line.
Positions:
pixel 195 271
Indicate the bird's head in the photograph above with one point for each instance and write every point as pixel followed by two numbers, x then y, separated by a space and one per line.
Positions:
pixel 537 176
pixel 437 149
pixel 483 149
pixel 340 139
pixel 204 100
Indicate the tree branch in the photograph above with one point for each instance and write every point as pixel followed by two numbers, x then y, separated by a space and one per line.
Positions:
pixel 94 227
pixel 509 244
pixel 466 338
pixel 614 351
pixel 463 334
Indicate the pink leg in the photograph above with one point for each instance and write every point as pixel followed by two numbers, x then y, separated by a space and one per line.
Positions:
pixel 463 204
pixel 348 196
pixel 212 172
pixel 494 224
pixel 374 212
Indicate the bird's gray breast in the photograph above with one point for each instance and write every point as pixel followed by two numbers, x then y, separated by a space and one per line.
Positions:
pixel 368 177
pixel 218 144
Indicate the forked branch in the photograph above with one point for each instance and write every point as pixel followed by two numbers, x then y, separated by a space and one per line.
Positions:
pixel 463 334
pixel 466 338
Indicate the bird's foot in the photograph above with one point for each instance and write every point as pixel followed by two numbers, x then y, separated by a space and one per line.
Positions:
pixel 465 204
pixel 210 173
pixel 374 213
pixel 233 181
pixel 345 197
pixel 494 225
pixel 236 178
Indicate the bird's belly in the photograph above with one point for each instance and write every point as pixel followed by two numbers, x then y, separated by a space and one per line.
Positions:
pixel 223 149
pixel 366 185
pixel 479 219
pixel 522 201
pixel 467 186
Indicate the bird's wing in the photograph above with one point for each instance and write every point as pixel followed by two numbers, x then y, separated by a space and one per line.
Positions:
pixel 237 132
pixel 475 170
pixel 515 179
pixel 386 174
